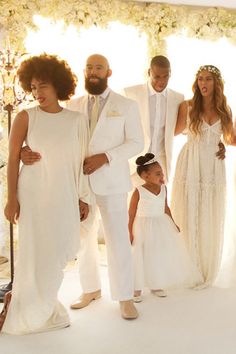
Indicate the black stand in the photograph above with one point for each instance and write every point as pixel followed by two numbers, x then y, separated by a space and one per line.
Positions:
pixel 7 287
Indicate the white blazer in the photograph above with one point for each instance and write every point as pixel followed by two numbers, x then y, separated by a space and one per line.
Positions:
pixel 119 134
pixel 140 94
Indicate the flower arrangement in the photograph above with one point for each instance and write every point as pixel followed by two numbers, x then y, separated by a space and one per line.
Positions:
pixel 156 20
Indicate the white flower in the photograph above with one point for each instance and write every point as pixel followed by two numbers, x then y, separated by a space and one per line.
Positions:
pixel 157 20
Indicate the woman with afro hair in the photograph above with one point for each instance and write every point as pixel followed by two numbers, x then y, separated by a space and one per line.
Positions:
pixel 49 198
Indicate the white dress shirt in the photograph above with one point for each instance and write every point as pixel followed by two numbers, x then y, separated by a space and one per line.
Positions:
pixel 157 108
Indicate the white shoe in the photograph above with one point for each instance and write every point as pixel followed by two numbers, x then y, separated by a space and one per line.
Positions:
pixel 159 293
pixel 128 310
pixel 202 286
pixel 138 298
pixel 85 299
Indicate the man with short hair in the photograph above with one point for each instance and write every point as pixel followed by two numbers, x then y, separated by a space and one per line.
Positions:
pixel 116 136
pixel 158 106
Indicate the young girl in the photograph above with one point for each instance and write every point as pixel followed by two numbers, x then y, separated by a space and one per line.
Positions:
pixel 49 198
pixel 159 254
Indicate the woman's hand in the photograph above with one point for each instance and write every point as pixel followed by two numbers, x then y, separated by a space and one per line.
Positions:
pixel 12 211
pixel 29 157
pixel 221 152
pixel 84 210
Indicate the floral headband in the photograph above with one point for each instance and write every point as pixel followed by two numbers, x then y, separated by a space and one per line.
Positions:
pixel 212 69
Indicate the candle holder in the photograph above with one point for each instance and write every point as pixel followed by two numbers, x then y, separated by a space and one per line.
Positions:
pixel 11 95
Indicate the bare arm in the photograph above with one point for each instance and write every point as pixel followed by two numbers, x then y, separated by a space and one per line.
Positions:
pixel 168 212
pixel 17 137
pixel 132 212
pixel 181 118
pixel 222 150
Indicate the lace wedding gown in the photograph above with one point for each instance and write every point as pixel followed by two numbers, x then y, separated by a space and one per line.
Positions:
pixel 198 198
pixel 48 192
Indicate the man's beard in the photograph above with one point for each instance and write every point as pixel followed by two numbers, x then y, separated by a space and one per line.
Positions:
pixel 96 88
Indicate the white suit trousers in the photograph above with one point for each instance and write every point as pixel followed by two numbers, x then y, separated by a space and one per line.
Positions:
pixel 114 214
pixel 88 254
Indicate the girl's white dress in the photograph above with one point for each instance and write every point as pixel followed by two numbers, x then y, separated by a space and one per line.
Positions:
pixel 48 192
pixel 159 253
pixel 198 198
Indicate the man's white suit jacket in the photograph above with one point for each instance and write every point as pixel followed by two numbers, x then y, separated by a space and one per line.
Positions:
pixel 140 94
pixel 119 134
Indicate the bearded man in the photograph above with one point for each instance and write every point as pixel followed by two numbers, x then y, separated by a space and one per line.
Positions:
pixel 115 136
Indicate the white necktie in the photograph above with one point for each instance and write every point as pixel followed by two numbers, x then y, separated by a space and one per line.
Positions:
pixel 94 114
pixel 157 122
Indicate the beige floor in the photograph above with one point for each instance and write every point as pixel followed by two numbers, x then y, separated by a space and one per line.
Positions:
pixel 186 322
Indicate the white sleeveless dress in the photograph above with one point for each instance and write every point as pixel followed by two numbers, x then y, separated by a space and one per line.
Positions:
pixel 48 193
pixel 198 198
pixel 159 253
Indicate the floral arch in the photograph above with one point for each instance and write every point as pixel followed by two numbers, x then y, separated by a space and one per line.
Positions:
pixel 157 20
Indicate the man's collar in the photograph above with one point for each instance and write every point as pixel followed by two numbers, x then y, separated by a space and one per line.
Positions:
pixel 103 95
pixel 152 92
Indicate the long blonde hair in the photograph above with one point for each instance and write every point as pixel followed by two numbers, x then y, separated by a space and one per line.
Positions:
pixel 219 101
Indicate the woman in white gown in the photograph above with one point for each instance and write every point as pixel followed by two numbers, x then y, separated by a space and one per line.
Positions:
pixel 48 198
pixel 199 186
